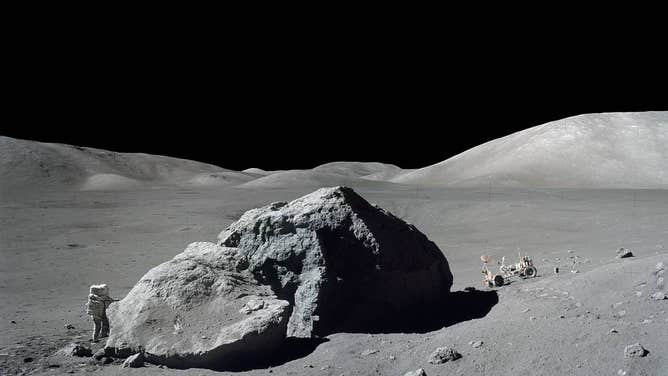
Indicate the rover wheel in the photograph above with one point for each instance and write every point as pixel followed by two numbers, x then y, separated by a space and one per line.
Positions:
pixel 498 280
pixel 530 272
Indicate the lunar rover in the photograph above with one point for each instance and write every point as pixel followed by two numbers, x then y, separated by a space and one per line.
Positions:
pixel 523 269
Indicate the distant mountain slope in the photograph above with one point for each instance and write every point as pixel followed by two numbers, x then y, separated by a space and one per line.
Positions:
pixel 356 169
pixel 29 165
pixel 331 174
pixel 609 150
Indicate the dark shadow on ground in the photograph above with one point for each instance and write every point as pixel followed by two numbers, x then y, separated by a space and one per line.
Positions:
pixel 291 349
pixel 456 307
pixel 453 308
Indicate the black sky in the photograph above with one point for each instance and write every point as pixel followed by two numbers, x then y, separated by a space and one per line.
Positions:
pixel 295 98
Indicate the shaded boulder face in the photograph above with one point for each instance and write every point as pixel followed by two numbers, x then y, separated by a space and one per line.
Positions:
pixel 325 262
pixel 340 261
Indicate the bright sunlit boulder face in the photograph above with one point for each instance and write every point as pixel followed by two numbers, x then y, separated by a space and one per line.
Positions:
pixel 326 262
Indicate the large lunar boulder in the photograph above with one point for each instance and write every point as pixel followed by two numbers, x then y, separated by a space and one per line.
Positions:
pixel 338 260
pixel 325 262
pixel 193 311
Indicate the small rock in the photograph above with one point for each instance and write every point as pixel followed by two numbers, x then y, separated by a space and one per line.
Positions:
pixel 621 313
pixel 392 357
pixel 252 306
pixel 638 293
pixel 624 253
pixel 476 344
pixel 99 354
pixel 659 296
pixel 28 359
pixel 417 372
pixel 660 266
pixel 134 361
pixel 635 351
pixel 646 321
pixel 106 360
pixel 75 349
pixel 368 352
pixel 13 322
pixel 562 316
pixel 531 318
pixel 443 354
pixel 574 271
pixel 69 327
pixel 659 282
pixel 613 330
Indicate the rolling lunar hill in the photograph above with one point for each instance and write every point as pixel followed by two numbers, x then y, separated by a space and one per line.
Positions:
pixel 330 174
pixel 609 150
pixel 30 165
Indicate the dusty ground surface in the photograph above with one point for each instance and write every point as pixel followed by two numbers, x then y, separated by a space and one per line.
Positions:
pixel 53 246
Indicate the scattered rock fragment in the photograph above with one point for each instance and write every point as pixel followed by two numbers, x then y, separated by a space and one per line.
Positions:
pixel 417 372
pixel 659 296
pixel 444 354
pixel 75 349
pixel 624 253
pixel 99 354
pixel 368 352
pixel 134 361
pixel 252 306
pixel 635 351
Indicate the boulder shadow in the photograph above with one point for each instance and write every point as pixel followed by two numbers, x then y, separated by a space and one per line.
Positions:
pixel 452 309
pixel 291 349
